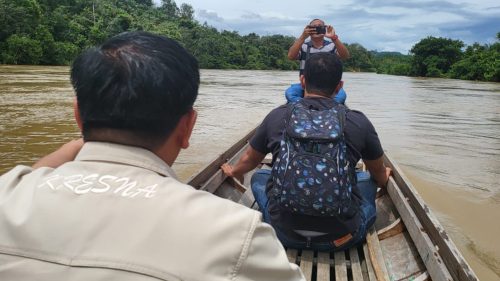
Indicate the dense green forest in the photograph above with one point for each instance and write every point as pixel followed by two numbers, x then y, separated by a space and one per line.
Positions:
pixel 53 32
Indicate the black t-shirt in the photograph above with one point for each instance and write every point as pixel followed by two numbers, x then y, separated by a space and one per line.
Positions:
pixel 361 137
pixel 362 143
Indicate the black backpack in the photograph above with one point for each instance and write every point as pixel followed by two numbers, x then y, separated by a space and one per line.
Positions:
pixel 312 174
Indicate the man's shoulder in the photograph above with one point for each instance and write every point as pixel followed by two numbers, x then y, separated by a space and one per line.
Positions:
pixel 277 112
pixel 18 171
pixel 357 124
pixel 13 178
pixel 354 112
pixel 356 116
pixel 281 108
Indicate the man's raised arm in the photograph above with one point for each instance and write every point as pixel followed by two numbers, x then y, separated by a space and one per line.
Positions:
pixel 293 52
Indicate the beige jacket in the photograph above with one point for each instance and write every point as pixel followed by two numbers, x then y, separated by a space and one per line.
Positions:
pixel 118 213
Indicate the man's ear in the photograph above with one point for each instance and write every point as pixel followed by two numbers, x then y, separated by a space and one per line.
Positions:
pixel 339 86
pixel 187 123
pixel 302 81
pixel 76 112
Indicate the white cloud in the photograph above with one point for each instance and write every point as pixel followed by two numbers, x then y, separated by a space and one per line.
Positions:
pixel 209 15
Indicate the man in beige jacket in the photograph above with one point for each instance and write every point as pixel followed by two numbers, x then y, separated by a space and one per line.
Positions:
pixel 110 208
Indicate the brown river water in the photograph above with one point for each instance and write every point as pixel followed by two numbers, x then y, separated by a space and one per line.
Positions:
pixel 444 134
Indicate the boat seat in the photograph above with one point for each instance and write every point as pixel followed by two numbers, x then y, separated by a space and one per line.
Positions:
pixel 350 264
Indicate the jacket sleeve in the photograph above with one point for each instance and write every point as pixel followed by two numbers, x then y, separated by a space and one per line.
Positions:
pixel 11 179
pixel 264 258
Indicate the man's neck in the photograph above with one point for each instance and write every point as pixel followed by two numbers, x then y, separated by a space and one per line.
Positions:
pixel 163 148
pixel 313 95
pixel 317 42
pixel 120 136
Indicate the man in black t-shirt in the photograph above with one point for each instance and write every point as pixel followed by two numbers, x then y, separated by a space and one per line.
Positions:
pixel 321 80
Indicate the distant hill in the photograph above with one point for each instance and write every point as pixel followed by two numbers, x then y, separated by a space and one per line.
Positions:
pixel 386 54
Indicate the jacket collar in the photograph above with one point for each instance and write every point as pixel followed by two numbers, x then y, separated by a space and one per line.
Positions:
pixel 124 154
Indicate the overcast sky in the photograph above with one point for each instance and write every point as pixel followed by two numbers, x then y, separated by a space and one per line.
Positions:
pixel 383 25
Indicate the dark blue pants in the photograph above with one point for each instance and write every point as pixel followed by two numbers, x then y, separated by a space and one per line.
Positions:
pixel 368 192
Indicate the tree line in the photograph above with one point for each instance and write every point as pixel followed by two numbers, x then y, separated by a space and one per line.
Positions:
pixel 434 57
pixel 53 32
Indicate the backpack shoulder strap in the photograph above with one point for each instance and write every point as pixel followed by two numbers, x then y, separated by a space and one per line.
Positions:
pixel 289 109
pixel 342 111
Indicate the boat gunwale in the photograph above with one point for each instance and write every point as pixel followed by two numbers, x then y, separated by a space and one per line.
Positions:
pixel 204 174
pixel 451 256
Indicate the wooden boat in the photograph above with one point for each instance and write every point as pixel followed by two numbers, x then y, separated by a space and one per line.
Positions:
pixel 406 242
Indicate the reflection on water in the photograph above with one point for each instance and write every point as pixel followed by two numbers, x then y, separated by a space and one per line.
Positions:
pixel 445 134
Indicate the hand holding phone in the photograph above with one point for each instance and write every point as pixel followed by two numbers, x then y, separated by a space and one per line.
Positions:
pixel 318 29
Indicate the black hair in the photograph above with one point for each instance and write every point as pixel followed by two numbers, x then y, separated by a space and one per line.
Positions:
pixel 316 20
pixel 136 81
pixel 322 72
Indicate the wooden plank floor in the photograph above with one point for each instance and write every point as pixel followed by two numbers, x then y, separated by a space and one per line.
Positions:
pixel 348 265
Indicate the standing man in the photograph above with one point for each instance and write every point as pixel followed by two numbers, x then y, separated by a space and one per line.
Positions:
pixel 301 50
pixel 110 207
pixel 311 196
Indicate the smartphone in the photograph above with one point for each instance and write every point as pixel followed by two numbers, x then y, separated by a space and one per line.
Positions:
pixel 319 29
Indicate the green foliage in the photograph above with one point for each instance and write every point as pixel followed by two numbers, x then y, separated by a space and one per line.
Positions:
pixel 360 59
pixel 18 17
pixel 434 56
pixel 186 12
pixel 169 8
pixel 22 50
pixel 64 52
pixel 229 50
pixel 440 57
pixel 391 63
pixel 50 48
pixel 479 63
pixel 55 31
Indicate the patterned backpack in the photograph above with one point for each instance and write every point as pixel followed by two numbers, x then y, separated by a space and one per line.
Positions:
pixel 312 174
